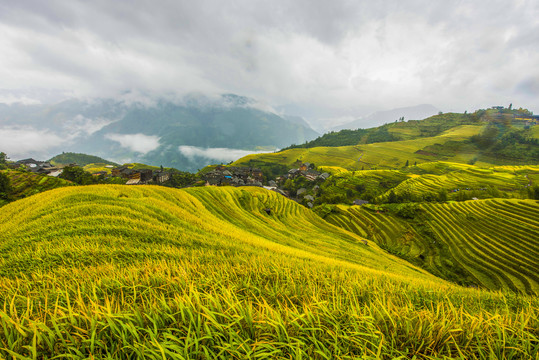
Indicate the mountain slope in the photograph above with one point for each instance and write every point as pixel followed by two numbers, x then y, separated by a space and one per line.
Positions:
pixel 148 272
pixel 394 131
pixel 382 155
pixel 486 137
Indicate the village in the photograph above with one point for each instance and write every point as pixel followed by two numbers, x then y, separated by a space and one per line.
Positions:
pixel 246 176
pixel 301 183
pixel 220 176
pixel 132 176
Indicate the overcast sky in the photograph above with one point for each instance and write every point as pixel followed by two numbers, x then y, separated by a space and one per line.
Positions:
pixel 322 59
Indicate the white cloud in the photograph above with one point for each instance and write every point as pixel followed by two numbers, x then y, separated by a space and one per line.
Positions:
pixel 20 142
pixel 11 99
pixel 136 142
pixel 219 154
pixel 81 125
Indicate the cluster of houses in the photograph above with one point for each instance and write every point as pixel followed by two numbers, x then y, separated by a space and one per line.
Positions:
pixel 133 177
pixel 306 170
pixel 39 167
pixel 139 176
pixel 235 176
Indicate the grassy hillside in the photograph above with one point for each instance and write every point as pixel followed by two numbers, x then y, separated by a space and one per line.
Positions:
pixel 408 130
pixel 486 137
pixel 79 159
pixel 24 184
pixel 488 243
pixel 118 272
pixel 378 155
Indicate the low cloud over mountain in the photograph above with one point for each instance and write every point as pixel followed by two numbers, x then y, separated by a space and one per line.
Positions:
pixel 187 133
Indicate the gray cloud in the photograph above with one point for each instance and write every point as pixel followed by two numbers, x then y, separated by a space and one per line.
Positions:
pixel 339 58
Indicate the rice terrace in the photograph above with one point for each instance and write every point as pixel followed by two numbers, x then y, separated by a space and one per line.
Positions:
pixel 290 180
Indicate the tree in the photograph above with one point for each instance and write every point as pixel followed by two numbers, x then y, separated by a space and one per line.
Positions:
pixel 442 195
pixel 77 175
pixel 511 106
pixel 407 163
pixel 392 198
pixel 3 160
pixel 5 186
pixel 181 179
pixel 533 192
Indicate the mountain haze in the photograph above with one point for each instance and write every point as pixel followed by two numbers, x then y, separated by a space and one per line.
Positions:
pixel 187 134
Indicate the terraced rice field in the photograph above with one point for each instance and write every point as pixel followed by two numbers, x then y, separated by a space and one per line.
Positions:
pixel 493 243
pixel 383 155
pixel 122 272
pixel 466 179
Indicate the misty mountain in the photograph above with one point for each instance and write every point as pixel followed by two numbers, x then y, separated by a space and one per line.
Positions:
pixel 187 134
pixel 378 118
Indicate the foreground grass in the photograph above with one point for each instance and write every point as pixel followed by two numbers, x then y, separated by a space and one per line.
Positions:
pixel 249 307
pixel 206 274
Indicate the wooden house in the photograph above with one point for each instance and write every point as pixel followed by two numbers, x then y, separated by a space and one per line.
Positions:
pixel 161 176
pixel 117 171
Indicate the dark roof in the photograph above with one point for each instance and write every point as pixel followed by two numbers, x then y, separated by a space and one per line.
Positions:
pixel 28 161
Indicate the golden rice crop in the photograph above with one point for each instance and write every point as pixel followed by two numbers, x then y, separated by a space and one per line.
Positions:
pixel 117 272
